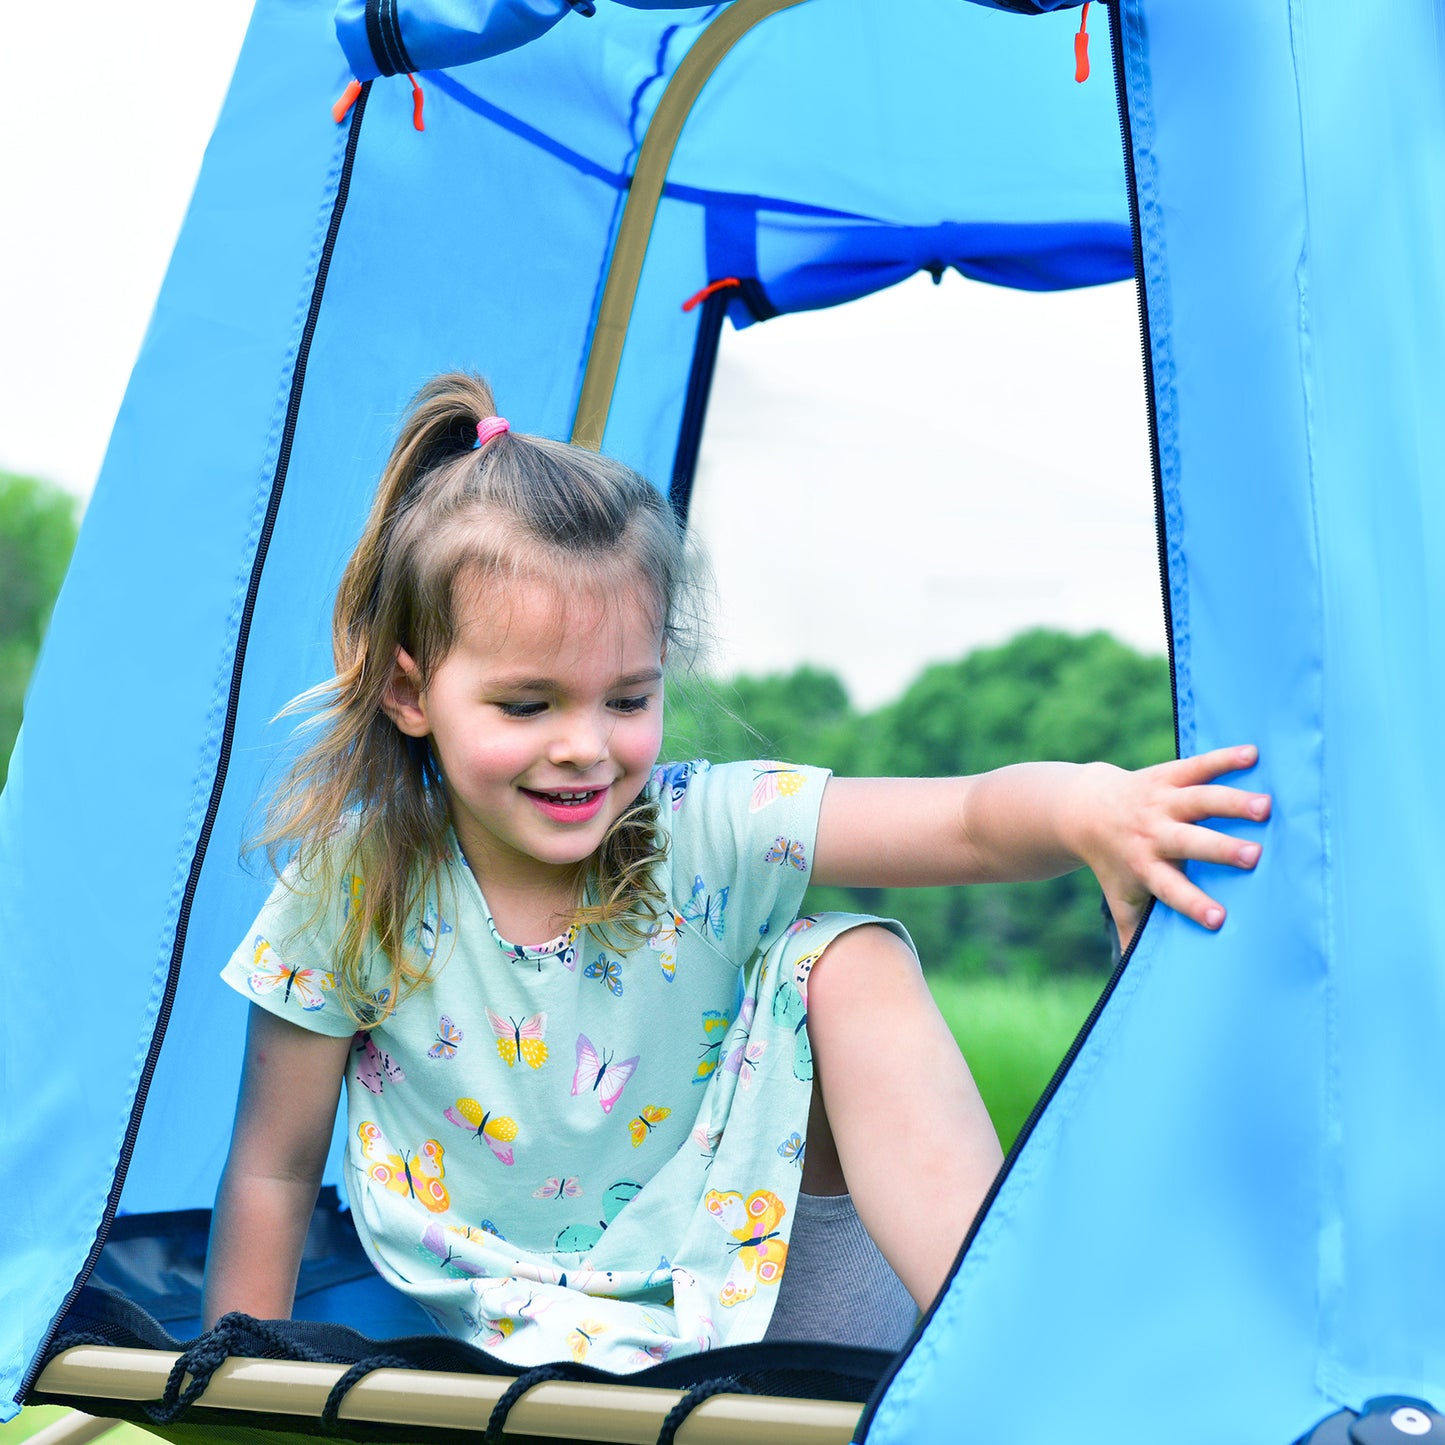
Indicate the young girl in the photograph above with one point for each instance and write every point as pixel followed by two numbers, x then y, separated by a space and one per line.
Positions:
pixel 602 1083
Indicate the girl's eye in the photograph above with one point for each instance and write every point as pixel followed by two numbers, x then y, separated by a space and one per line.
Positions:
pixel 631 704
pixel 522 709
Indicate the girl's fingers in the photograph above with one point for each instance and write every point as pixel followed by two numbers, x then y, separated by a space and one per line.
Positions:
pixel 1218 800
pixel 1177 892
pixel 1205 767
pixel 1205 845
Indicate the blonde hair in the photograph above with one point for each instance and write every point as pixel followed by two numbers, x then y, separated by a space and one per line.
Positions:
pixel 365 800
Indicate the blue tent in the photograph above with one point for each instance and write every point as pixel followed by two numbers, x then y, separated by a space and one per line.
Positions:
pixel 1223 1220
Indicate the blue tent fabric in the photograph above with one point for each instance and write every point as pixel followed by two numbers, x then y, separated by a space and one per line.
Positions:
pixel 322 273
pixel 1239 1164
pixel 1223 1222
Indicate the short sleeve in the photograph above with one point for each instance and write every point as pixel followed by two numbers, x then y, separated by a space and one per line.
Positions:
pixel 285 962
pixel 742 847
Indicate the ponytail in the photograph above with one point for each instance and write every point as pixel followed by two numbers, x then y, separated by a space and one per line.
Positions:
pixel 365 800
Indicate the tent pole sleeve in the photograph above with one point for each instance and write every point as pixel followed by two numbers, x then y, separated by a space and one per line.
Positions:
pixel 560 1409
pixel 604 358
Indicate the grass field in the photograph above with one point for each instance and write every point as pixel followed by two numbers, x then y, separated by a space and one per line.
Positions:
pixel 1012 1031
pixel 27 1422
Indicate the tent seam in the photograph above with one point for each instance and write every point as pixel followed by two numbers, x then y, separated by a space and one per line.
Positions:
pixel 1165 400
pixel 1329 1264
pixel 170 959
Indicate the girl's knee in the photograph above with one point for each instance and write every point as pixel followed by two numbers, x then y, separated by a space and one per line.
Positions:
pixel 861 958
pixel 873 942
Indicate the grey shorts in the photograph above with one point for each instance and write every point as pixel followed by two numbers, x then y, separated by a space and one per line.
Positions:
pixel 837 1288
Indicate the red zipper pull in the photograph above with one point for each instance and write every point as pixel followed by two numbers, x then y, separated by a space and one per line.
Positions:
pixel 416 103
pixel 342 108
pixel 723 285
pixel 1081 47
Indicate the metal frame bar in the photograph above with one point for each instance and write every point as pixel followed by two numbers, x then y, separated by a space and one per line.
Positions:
pixel 565 1410
pixel 624 272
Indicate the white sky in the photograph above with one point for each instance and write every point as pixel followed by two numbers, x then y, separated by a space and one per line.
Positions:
pixel 907 477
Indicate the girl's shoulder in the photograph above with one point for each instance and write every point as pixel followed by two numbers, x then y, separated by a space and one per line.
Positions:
pixel 751 787
pixel 740 847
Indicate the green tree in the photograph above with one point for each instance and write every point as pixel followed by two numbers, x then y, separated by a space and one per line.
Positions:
pixel 1044 694
pixel 37 533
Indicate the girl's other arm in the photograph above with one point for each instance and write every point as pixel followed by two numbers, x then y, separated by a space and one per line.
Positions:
pixel 1037 820
pixel 289 1088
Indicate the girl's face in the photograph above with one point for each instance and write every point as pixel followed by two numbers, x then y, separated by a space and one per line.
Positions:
pixel 546 719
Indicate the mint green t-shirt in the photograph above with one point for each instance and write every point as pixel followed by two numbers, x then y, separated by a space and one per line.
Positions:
pixel 571 1150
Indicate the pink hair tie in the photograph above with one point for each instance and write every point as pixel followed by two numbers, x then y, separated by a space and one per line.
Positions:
pixel 489 427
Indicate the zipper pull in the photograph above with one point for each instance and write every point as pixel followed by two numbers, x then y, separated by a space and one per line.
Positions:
pixel 342 108
pixel 725 284
pixel 1081 47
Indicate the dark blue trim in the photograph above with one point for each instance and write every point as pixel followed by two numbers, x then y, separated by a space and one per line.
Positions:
pixel 621 180
pixel 448 85
pixel 227 739
pixel 1028 256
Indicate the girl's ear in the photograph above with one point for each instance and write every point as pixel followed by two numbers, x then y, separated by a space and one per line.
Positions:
pixel 403 701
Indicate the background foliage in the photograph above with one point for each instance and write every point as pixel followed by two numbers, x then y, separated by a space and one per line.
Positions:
pixel 1015 968
pixel 37 533
pixel 1044 694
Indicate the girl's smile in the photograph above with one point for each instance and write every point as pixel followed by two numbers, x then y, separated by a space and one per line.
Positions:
pixel 546 720
pixel 570 807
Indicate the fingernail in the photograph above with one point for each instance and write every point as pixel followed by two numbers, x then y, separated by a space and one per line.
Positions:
pixel 1259 807
pixel 1248 854
pixel 1213 917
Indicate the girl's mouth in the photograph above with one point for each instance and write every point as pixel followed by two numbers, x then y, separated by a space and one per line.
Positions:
pixel 569 805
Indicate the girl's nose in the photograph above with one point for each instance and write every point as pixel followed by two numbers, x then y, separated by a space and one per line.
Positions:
pixel 581 741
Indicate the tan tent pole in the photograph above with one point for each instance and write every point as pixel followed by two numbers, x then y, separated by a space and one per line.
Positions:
pixel 566 1410
pixel 604 359
pixel 76 1428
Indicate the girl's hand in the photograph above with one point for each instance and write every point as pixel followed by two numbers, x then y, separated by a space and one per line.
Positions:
pixel 1135 830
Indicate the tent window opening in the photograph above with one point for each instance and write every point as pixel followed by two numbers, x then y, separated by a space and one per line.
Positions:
pixel 929 517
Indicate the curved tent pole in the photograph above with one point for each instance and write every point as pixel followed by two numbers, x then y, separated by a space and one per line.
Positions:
pixel 624 272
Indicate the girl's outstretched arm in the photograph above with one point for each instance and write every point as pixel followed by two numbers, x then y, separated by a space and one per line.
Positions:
pixel 1037 820
pixel 287 1105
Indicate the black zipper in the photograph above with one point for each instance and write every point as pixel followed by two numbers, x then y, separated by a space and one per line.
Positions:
pixel 1116 47
pixel 750 292
pixel 268 525
pixel 1136 232
pixel 694 407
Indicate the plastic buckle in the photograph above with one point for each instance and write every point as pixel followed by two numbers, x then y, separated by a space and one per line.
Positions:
pixel 1385 1420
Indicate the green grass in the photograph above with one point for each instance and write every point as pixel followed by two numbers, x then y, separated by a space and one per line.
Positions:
pixel 37 1417
pixel 1013 1032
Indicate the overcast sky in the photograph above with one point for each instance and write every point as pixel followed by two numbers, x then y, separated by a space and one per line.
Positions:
pixel 906 477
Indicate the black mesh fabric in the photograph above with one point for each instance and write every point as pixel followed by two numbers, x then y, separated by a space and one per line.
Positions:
pixel 145 1293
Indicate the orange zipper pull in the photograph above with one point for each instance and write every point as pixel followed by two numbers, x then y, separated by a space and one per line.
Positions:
pixel 1081 47
pixel 708 290
pixel 342 108
pixel 416 103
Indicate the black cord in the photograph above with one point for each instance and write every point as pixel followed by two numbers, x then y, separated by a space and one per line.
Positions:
pixel 539 1375
pixel 232 1334
pixel 331 1410
pixel 724 1385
